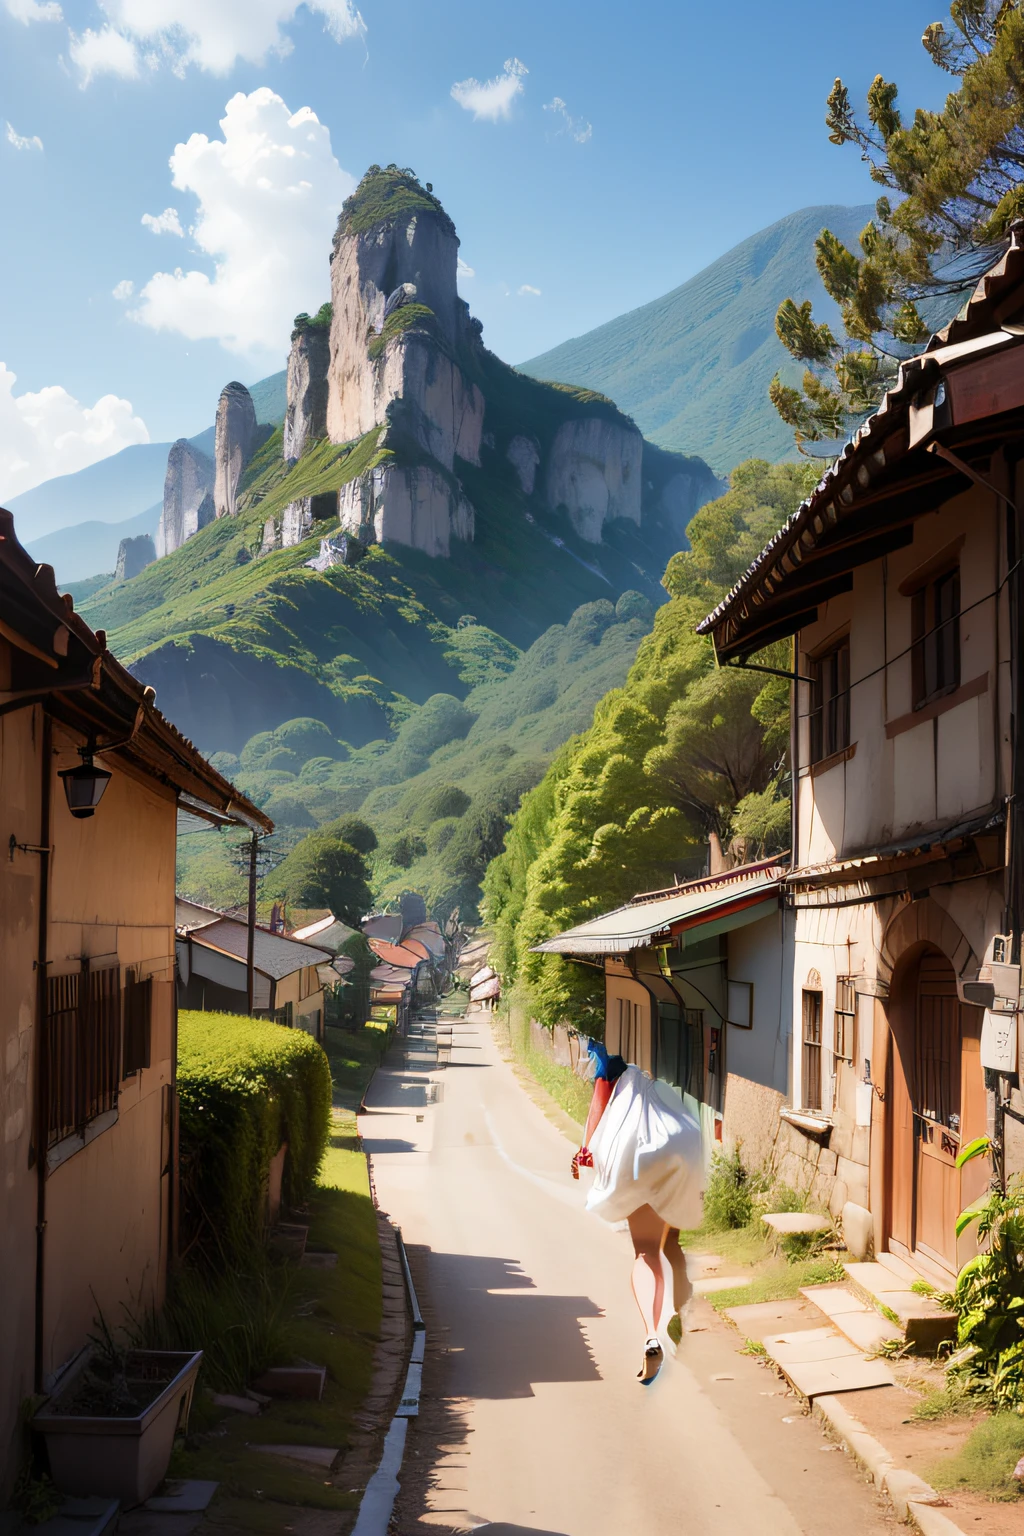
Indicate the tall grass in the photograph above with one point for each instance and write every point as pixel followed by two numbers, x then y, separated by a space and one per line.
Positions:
pixel 242 1318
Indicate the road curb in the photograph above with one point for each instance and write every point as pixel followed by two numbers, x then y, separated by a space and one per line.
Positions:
pixel 913 1499
pixel 380 1493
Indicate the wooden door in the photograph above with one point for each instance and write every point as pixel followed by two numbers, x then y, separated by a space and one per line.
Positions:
pixel 936 1110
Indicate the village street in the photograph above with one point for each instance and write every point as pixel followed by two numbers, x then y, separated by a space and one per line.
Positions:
pixel 532 1417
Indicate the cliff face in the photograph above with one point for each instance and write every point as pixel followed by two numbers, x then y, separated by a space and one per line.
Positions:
pixel 417 506
pixel 133 555
pixel 306 412
pixel 593 471
pixel 389 252
pixel 235 441
pixel 187 484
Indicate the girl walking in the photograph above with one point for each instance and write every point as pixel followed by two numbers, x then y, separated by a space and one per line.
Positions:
pixel 648 1171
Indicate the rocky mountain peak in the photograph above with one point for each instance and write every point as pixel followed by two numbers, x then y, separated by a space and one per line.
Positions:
pixel 187 484
pixel 235 440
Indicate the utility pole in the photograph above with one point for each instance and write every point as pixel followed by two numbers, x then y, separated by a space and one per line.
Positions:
pixel 250 969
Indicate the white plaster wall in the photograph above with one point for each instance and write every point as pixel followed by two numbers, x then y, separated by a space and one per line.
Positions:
pixel 756 953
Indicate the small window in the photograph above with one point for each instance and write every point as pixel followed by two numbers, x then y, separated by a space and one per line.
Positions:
pixel 845 1017
pixel 830 702
pixel 935 626
pixel 812 1050
pixel 83 1049
pixel 138 1019
pixel 740 1004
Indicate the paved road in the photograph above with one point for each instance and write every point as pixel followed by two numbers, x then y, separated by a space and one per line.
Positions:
pixel 533 1418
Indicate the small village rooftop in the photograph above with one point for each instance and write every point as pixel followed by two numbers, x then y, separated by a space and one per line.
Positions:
pixel 714 904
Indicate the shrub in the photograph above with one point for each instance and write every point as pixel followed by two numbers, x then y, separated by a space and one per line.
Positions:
pixel 728 1197
pixel 354 831
pixel 288 810
pixel 245 1086
pixel 404 849
pixel 989 1300
pixel 308 738
pixel 442 801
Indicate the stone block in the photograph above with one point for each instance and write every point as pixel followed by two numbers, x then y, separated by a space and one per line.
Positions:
pixel 858 1229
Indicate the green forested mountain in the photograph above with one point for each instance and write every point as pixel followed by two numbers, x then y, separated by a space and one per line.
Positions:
pixel 681 751
pixel 441 789
pixel 693 367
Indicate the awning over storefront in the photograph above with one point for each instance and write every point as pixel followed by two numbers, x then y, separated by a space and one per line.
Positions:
pixel 715 904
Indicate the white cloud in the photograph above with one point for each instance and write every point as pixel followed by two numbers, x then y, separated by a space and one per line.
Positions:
pixel 48 433
pixel 527 291
pixel 21 141
pixel 215 34
pixel 166 223
pixel 33 10
pixel 577 128
pixel 103 53
pixel 124 290
pixel 464 270
pixel 269 193
pixel 492 99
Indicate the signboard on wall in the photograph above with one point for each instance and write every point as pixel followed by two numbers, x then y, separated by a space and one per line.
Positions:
pixel 999 1041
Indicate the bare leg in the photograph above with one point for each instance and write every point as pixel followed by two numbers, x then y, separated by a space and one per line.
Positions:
pixel 647 1230
pixel 682 1288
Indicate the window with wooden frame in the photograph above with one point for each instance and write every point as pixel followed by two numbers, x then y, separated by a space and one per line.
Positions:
pixel 83 1049
pixel 138 1023
pixel 935 632
pixel 811 1049
pixel 829 714
pixel 845 1019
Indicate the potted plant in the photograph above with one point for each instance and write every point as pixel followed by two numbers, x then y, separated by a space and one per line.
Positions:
pixel 110 1423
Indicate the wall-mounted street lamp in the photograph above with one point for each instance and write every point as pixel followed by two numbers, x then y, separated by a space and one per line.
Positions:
pixel 84 785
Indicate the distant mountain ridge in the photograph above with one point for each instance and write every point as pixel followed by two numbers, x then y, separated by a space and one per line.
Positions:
pixel 693 367
pixel 75 522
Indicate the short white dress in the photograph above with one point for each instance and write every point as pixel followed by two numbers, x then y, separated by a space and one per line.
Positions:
pixel 647 1151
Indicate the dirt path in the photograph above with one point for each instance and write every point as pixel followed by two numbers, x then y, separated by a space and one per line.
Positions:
pixel 532 1417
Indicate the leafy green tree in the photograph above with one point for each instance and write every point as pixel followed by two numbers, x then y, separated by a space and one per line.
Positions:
pixel 954 183
pixel 325 871
pixel 354 831
pixel 628 805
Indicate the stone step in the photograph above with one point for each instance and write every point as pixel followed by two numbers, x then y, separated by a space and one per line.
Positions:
pixel 854 1318
pixel 887 1289
pixel 821 1361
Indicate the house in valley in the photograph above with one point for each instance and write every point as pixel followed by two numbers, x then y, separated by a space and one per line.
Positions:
pixel 213 960
pixel 696 994
pixel 91 780
pixel 901 582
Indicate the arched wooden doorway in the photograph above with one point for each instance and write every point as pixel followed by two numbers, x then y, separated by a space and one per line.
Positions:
pixel 936 1095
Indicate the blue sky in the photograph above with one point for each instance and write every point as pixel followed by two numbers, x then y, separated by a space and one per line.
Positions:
pixel 620 150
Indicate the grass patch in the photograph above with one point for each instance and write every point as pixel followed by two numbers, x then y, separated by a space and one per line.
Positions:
pixel 334 1320
pixel 779 1280
pixel 985 1462
pixel 953 1401
pixel 741 1245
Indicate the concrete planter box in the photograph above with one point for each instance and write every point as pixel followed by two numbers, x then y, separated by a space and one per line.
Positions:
pixel 122 1458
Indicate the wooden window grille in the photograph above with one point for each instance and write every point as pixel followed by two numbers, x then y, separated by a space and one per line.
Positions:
pixel 830 702
pixel 845 1019
pixel 812 1049
pixel 83 1028
pixel 138 1023
pixel 935 626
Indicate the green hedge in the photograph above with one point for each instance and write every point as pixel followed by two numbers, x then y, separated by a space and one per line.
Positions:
pixel 244 1087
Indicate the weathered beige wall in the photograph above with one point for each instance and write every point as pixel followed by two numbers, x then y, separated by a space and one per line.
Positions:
pixel 19 894
pixel 107 1205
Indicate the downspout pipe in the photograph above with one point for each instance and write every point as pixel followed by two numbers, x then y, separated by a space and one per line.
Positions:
pixel 42 1052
